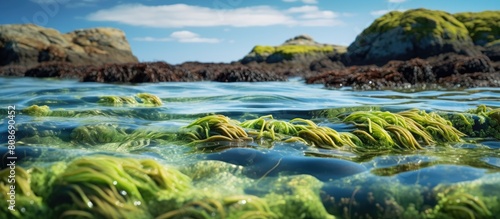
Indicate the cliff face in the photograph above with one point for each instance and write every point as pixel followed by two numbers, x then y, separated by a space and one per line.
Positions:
pixel 300 49
pixel 29 45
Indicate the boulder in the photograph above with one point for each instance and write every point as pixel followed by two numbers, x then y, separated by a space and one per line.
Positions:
pixel 29 45
pixel 418 33
pixel 301 49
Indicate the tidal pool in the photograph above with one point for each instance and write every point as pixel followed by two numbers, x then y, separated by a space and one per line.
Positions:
pixel 246 150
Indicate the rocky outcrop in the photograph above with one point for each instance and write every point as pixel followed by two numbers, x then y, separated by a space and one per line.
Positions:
pixel 301 49
pixel 29 45
pixel 445 70
pixel 414 33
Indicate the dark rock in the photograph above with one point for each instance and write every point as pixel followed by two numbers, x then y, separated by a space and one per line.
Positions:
pixel 448 64
pixel 331 62
pixel 234 72
pixel 245 74
pixel 138 73
pixel 56 69
pixel 12 70
pixel 493 52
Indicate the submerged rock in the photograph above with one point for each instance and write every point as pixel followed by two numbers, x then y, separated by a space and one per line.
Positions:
pixel 28 45
pixel 260 164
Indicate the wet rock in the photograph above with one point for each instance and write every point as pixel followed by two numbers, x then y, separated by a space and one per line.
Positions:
pixel 29 45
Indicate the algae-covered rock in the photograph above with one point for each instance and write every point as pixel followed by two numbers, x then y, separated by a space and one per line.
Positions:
pixel 300 48
pixel 410 34
pixel 483 27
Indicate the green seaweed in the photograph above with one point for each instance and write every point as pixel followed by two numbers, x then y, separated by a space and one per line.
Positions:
pixel 27 203
pixel 117 100
pixel 150 99
pixel 111 187
pixel 407 129
pixel 215 128
pixel 36 110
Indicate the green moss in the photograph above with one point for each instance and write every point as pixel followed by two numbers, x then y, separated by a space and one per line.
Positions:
pixel 263 50
pixel 289 51
pixel 484 27
pixel 421 23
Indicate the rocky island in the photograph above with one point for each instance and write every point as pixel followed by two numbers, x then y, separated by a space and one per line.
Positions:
pixel 417 48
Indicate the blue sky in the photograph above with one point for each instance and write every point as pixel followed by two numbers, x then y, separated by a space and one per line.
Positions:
pixel 218 30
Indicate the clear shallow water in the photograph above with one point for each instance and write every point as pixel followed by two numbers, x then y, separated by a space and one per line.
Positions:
pixel 185 102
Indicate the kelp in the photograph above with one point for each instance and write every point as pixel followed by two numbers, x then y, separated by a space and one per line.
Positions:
pixel 112 187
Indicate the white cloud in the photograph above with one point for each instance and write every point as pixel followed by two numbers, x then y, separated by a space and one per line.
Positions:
pixel 182 15
pixel 152 39
pixel 303 1
pixel 182 36
pixel 185 36
pixel 396 1
pixel 382 12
